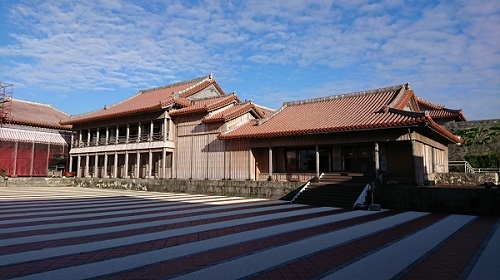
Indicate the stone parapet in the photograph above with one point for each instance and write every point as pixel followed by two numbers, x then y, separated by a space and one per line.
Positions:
pixel 464 179
pixel 258 189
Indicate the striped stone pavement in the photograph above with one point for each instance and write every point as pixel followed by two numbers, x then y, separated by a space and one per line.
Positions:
pixel 77 233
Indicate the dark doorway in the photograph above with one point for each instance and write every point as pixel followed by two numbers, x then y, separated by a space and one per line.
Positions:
pixel 359 159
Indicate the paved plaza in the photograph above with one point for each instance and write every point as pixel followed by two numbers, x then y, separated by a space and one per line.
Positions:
pixel 78 233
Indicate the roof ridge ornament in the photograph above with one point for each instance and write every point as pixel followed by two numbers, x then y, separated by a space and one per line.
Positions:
pixel 174 84
pixel 201 81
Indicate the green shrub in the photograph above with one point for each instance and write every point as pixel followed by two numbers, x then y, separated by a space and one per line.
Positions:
pixel 484 161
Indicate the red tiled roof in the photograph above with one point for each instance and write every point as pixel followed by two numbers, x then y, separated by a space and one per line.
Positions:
pixel 148 100
pixel 233 112
pixel 265 111
pixel 206 105
pixel 439 111
pixel 361 110
pixel 36 114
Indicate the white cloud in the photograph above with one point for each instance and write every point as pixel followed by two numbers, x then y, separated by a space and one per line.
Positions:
pixel 94 45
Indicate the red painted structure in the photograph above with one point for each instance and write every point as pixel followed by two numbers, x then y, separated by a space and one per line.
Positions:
pixel 32 142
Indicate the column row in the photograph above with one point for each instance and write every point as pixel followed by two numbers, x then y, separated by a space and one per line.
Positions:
pixel 136 164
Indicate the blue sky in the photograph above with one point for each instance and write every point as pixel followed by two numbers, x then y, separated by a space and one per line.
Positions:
pixel 81 55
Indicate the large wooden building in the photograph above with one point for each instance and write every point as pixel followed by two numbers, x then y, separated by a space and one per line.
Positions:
pixel 194 130
pixel 164 132
pixel 388 133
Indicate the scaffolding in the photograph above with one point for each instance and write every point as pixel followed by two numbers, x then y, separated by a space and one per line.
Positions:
pixel 6 92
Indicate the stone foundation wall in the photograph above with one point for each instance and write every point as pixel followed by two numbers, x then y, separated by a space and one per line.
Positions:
pixel 259 189
pixel 464 179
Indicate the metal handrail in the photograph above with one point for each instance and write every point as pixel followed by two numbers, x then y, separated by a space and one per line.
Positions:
pixel 468 168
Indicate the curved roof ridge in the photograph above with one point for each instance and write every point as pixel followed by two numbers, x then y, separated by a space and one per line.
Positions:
pixel 430 104
pixel 402 97
pixel 345 95
pixel 200 79
pixel 285 105
pixel 198 83
pixel 232 112
pixel 407 113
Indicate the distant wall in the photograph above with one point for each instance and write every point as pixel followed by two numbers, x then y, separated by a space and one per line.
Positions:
pixel 470 201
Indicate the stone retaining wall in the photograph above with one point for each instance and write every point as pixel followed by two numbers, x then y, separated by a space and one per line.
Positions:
pixel 259 189
pixel 464 179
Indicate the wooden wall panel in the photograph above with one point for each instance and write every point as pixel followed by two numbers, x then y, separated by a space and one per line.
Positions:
pixel 183 158
pixel 238 160
pixel 216 158
pixel 199 156
pixel 398 157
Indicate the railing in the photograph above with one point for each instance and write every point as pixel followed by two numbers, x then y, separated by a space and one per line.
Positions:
pixel 466 167
pixel 304 187
pixel 157 136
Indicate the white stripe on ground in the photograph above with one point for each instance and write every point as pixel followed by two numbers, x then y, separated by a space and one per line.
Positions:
pixel 254 263
pixel 138 260
pixel 124 206
pixel 168 210
pixel 488 264
pixel 75 203
pixel 129 240
pixel 402 253
pixel 136 225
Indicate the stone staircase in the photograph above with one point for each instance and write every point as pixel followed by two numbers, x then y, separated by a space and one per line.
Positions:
pixel 335 190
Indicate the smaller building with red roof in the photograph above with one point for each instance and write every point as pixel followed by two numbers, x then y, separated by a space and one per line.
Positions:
pixel 32 141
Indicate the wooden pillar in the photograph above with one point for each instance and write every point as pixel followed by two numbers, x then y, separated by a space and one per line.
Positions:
pixel 115 166
pixel 70 167
pixel 96 165
pixel 78 166
pixel 163 163
pixel 14 164
pixel 250 167
pixel 150 136
pixel 32 158
pixel 165 130
pixel 270 178
pixel 377 161
pixel 317 161
pixel 105 175
pixel 86 173
pixel 107 136
pixel 137 164
pixel 208 158
pixel 150 163
pixel 127 135
pixel 48 157
pixel 139 132
pixel 125 169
